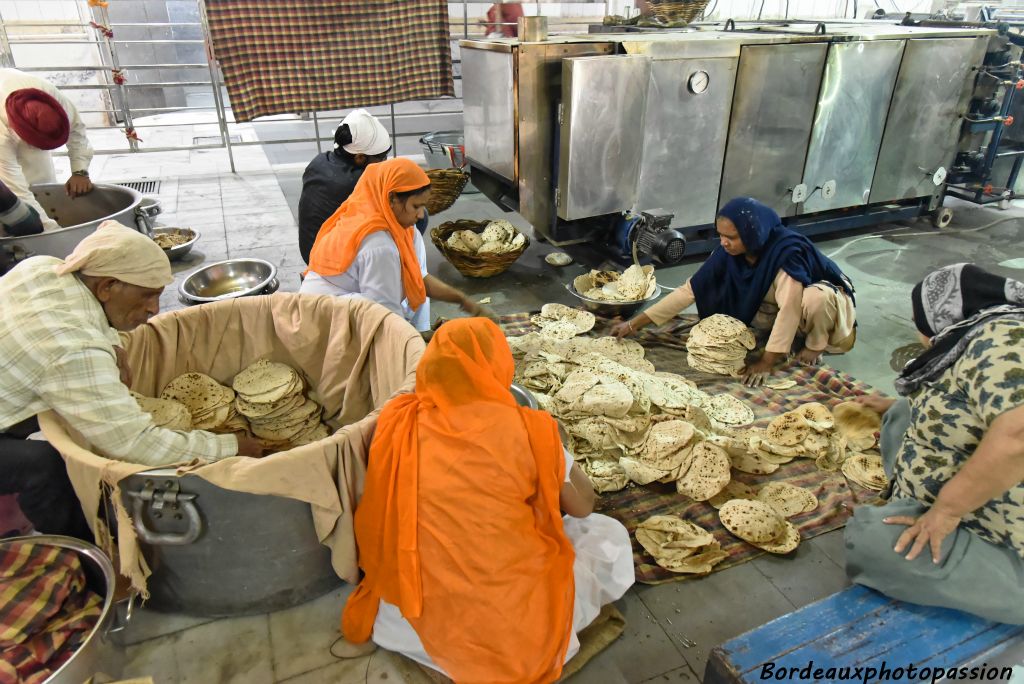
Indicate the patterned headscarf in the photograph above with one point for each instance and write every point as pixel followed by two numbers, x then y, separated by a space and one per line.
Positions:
pixel 950 306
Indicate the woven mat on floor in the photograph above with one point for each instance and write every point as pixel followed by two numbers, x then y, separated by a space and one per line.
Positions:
pixel 634 504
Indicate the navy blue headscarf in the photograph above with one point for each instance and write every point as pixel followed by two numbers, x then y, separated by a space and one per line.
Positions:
pixel 730 285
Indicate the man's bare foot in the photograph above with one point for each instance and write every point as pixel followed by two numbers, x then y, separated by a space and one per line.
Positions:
pixel 809 357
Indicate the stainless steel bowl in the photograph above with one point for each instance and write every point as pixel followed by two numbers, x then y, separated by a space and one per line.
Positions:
pixel 175 253
pixel 227 280
pixel 612 309
pixel 524 397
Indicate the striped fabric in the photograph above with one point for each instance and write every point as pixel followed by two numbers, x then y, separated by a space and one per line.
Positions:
pixel 46 611
pixel 666 349
pixel 290 56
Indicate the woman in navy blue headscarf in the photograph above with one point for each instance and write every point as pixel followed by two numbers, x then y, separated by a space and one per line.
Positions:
pixel 771 278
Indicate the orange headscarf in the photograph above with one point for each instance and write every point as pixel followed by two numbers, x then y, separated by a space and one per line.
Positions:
pixel 460 525
pixel 367 211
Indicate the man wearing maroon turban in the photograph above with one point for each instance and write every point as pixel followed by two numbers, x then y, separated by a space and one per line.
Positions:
pixel 36 118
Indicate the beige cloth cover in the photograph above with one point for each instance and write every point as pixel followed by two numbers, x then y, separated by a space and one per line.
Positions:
pixel 353 353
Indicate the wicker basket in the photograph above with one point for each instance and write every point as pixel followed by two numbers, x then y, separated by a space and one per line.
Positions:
pixel 677 12
pixel 473 265
pixel 445 187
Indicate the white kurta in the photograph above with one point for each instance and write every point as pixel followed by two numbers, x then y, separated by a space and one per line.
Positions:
pixel 603 572
pixel 376 274
pixel 21 164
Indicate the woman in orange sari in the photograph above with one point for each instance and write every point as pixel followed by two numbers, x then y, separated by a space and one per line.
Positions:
pixel 469 565
pixel 370 248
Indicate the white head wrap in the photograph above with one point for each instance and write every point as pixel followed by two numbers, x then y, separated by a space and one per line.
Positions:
pixel 369 136
pixel 117 251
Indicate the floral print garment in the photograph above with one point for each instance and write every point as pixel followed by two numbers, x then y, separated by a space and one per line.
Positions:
pixel 948 419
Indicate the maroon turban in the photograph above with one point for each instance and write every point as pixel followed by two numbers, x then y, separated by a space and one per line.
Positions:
pixel 38 118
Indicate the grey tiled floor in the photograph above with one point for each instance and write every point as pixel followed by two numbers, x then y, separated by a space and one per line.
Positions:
pixel 252 214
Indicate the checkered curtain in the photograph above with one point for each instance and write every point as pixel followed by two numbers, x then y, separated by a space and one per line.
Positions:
pixel 289 56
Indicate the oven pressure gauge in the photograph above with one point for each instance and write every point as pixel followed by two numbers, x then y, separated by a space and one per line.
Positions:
pixel 699 81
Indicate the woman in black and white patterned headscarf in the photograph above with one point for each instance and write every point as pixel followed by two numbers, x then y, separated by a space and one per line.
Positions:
pixel 954 449
pixel 951 306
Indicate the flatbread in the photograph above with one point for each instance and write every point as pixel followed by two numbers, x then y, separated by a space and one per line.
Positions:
pixel 708 474
pixel 198 392
pixel 866 470
pixel 166 413
pixel 788 500
pixel 261 377
pixel 786 542
pixel 728 410
pixel 789 429
pixel 752 521
pixel 583 320
pixel 859 424
pixel 733 490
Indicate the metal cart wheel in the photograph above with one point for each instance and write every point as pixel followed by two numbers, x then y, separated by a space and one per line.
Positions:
pixel 942 217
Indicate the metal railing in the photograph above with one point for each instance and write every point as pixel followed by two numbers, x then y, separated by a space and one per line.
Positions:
pixel 121 114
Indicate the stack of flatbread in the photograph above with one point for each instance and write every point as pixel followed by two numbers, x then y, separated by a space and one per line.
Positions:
pixel 166 413
pixel 866 470
pixel 498 237
pixel 210 403
pixel 562 322
pixel 625 421
pixel 759 523
pixel 719 344
pixel 271 396
pixel 632 285
pixel 805 432
pixel 679 545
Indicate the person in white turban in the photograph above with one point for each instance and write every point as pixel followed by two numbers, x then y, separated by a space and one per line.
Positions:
pixel 60 351
pixel 360 140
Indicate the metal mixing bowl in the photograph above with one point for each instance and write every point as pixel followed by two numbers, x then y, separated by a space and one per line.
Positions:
pixel 524 397
pixel 228 279
pixel 175 253
pixel 612 309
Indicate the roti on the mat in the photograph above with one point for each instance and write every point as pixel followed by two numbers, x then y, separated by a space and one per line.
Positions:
pixel 728 410
pixel 583 320
pixel 789 429
pixel 698 564
pixel 786 542
pixel 817 416
pixel 788 500
pixel 751 520
pixel 640 472
pixel 709 472
pixel 669 531
pixel 734 490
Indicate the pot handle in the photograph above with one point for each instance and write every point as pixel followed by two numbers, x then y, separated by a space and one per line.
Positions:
pixel 120 624
pixel 157 499
pixel 145 213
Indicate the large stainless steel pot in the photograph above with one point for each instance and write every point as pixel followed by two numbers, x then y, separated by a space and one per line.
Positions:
pixel 217 553
pixel 99 654
pixel 81 216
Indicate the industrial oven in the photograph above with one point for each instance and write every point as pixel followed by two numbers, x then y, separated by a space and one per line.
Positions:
pixel 633 140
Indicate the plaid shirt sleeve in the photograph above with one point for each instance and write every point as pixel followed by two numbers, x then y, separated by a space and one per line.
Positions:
pixel 85 388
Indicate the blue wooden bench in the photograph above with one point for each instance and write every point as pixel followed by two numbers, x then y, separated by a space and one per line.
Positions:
pixel 860 628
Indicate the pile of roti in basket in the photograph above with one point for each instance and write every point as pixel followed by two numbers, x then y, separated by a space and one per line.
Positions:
pixel 627 422
pixel 266 401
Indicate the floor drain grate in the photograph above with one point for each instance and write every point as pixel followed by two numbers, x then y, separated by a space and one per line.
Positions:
pixel 143 187
pixel 215 139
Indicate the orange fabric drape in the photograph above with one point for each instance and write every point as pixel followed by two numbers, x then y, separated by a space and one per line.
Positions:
pixel 460 526
pixel 367 211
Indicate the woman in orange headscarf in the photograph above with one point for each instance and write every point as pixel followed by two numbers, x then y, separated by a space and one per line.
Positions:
pixel 469 565
pixel 369 247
